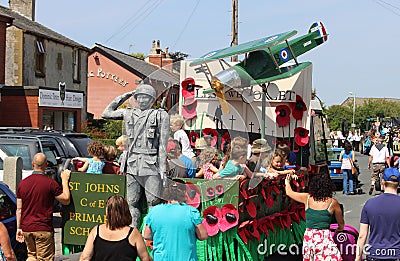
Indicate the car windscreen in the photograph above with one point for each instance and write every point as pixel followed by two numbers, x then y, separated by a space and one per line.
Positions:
pixel 333 155
pixel 20 150
pixel 81 144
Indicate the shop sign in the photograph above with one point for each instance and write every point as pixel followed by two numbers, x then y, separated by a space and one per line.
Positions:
pixel 60 98
pixel 89 194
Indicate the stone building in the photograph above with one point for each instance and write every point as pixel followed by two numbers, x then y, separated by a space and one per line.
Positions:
pixel 45 73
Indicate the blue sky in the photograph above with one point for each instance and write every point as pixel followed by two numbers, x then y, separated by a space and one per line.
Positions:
pixel 361 54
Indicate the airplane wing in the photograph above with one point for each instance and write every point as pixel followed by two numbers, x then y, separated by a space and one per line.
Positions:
pixel 259 44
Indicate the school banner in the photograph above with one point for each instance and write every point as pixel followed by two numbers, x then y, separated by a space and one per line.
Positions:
pixel 89 194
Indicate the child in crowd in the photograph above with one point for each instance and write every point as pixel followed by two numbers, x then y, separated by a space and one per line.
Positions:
pixel 121 143
pixel 235 166
pixel 110 164
pixel 277 161
pixel 176 124
pixel 227 153
pixel 93 165
pixel 207 157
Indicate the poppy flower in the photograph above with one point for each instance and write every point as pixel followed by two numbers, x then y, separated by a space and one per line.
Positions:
pixel 192 195
pixel 189 108
pixel 225 138
pixel 298 108
pixel 188 87
pixel 219 190
pixel 282 115
pixel 210 192
pixel 229 217
pixel 212 216
pixel 301 136
pixel 212 133
pixel 193 136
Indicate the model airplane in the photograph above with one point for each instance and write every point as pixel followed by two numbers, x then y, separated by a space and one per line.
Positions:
pixel 263 60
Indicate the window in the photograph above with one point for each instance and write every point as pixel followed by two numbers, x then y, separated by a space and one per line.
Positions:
pixel 40 55
pixel 59 120
pixel 7 206
pixel 76 63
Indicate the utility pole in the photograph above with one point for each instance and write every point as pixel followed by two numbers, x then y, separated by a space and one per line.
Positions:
pixel 235 23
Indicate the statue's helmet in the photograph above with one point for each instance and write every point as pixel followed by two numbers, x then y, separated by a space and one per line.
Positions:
pixel 146 89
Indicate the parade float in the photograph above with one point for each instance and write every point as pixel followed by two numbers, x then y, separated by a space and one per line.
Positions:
pixel 267 95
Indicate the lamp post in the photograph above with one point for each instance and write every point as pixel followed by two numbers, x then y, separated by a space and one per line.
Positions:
pixel 353 125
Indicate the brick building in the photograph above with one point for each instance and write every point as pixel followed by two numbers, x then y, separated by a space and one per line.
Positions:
pixel 112 73
pixel 44 74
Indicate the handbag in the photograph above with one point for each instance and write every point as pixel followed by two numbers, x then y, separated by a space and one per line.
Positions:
pixel 353 168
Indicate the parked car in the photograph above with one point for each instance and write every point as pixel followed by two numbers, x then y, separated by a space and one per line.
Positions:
pixel 26 147
pixel 335 165
pixel 8 207
pixel 58 147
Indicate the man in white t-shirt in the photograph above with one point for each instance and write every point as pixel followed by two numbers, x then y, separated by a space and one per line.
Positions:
pixel 380 158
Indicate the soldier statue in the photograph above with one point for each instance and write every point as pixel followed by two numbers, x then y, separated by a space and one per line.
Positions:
pixel 147 133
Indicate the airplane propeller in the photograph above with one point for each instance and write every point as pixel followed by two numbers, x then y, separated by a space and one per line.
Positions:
pixel 218 88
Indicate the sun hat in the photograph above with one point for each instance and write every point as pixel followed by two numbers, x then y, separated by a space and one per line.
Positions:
pixel 260 145
pixel 301 136
pixel 391 174
pixel 189 108
pixel 212 217
pixel 200 144
pixel 229 217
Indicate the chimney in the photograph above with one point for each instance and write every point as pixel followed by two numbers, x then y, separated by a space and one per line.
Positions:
pixel 24 7
pixel 158 57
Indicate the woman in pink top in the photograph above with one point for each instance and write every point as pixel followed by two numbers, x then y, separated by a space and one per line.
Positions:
pixel 207 169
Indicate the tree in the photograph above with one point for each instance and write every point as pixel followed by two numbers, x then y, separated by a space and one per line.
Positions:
pixel 140 56
pixel 372 108
pixel 177 57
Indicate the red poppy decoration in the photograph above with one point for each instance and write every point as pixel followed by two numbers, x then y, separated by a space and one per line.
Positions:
pixel 285 142
pixel 229 217
pixel 219 190
pixel 193 136
pixel 213 133
pixel 192 195
pixel 301 136
pixel 298 108
pixel 212 217
pixel 282 115
pixel 210 192
pixel 189 87
pixel 225 138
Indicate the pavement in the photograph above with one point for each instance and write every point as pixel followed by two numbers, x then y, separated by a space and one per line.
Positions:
pixel 57 237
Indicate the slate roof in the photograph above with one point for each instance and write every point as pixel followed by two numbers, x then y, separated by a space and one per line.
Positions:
pixel 35 28
pixel 137 66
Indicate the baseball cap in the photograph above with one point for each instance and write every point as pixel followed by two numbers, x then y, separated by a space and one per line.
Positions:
pixel 391 174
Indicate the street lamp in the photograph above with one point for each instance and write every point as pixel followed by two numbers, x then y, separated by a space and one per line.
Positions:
pixel 353 125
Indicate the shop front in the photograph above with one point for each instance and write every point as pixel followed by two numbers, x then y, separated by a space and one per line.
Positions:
pixel 41 107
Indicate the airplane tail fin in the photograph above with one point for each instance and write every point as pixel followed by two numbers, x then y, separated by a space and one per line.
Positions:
pixel 319 29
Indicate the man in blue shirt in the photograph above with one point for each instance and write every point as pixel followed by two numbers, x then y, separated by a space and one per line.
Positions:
pixel 174 227
pixel 177 161
pixel 380 217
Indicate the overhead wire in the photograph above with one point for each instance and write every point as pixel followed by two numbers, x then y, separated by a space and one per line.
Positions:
pixel 139 16
pixel 186 24
pixel 385 5
pixel 147 12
